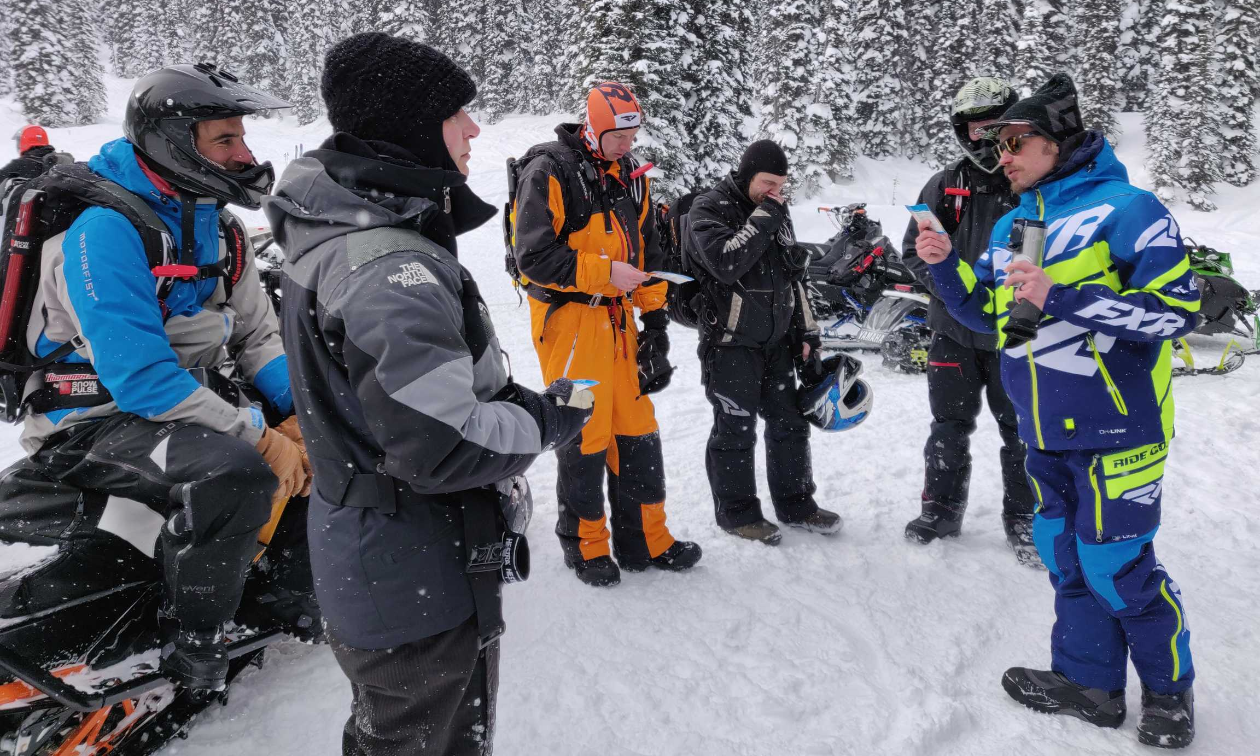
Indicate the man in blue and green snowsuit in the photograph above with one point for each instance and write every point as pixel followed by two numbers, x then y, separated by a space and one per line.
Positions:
pixel 1094 397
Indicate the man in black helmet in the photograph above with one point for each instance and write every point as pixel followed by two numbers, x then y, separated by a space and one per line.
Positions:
pixel 143 338
pixel 755 324
pixel 968 198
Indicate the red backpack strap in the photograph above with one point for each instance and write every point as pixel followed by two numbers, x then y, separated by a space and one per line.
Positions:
pixel 235 239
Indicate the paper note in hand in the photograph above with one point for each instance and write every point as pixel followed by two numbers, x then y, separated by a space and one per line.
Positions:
pixel 924 213
pixel 665 275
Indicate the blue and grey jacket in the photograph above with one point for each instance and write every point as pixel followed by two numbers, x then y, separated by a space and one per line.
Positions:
pixel 1098 375
pixel 95 283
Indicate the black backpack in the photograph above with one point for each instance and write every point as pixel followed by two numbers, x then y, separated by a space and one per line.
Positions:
pixel 582 182
pixel 674 230
pixel 37 210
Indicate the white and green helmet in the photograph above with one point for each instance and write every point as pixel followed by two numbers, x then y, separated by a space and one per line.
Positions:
pixel 980 99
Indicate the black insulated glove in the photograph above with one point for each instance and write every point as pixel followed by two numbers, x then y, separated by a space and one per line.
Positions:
pixel 653 354
pixel 561 411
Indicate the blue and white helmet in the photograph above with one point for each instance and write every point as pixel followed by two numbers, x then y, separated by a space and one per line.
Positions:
pixel 839 401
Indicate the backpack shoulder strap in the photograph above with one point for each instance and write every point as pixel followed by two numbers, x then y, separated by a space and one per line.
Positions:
pixel 577 212
pixel 235 239
pixel 92 189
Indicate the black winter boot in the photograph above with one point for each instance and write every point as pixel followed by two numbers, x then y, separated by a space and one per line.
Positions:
pixel 196 659
pixel 683 555
pixel 1052 693
pixel 1019 536
pixel 938 520
pixel 1167 719
pixel 821 521
pixel 601 571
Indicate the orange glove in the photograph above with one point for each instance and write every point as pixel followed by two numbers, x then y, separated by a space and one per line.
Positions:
pixel 285 459
pixel 293 432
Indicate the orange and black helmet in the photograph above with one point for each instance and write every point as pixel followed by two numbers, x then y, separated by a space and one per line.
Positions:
pixel 609 107
pixel 29 137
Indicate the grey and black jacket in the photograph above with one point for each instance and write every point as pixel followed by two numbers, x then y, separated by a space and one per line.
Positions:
pixel 751 271
pixel 396 369
pixel 990 198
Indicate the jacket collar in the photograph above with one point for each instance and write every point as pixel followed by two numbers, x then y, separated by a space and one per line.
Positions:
pixel 1086 160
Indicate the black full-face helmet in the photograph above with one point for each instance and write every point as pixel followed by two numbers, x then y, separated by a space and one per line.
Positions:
pixel 159 122
pixel 980 99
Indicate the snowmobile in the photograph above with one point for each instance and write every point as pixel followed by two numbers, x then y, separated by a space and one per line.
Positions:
pixel 80 638
pixel 864 296
pixel 1226 307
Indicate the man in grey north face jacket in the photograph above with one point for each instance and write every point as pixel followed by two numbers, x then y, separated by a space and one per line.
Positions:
pixel 412 424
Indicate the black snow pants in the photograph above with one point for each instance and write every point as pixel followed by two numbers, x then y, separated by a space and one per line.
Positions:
pixel 431 697
pixel 957 376
pixel 742 383
pixel 213 490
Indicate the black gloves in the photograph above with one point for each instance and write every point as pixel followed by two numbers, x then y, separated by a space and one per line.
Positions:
pixel 653 355
pixel 561 411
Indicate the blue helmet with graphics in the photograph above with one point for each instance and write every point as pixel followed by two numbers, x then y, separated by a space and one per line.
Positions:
pixel 838 400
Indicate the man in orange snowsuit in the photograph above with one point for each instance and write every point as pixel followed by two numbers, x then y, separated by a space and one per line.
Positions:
pixel 585 234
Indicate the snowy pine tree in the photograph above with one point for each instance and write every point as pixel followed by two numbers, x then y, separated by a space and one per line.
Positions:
pixel 792 54
pixel 309 40
pixel 87 74
pixel 721 96
pixel 997 32
pixel 6 60
pixel 136 45
pixel 1238 60
pixel 410 19
pixel 1096 26
pixel 1183 135
pixel 920 106
pixel 640 43
pixel 501 87
pixel 43 65
pixel 459 31
pixel 831 117
pixel 1133 53
pixel 951 59
pixel 1042 49
pixel 879 31
pixel 548 83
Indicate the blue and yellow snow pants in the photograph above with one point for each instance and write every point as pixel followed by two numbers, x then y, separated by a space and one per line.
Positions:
pixel 1097 513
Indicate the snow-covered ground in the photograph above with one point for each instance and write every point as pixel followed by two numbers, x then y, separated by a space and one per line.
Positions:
pixel 856 644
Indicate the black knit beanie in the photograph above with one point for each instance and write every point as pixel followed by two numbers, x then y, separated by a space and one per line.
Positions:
pixel 763 156
pixel 1052 111
pixel 389 89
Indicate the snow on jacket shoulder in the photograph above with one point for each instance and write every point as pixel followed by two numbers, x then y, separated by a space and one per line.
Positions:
pixel 1098 375
pixel 95 282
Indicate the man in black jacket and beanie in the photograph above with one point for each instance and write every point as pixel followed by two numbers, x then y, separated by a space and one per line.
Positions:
pixel 755 327
pixel 968 198
pixel 416 434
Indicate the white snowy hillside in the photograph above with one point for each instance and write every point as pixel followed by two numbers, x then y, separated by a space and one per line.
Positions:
pixel 861 643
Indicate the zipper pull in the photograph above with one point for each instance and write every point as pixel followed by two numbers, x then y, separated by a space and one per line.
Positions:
pixel 446 199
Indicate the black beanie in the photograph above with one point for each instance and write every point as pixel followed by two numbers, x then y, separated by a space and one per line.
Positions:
pixel 389 89
pixel 1052 111
pixel 763 156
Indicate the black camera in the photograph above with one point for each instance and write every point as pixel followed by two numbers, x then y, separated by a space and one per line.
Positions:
pixel 509 558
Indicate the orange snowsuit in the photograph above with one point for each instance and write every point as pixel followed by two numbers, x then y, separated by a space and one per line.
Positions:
pixel 584 328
